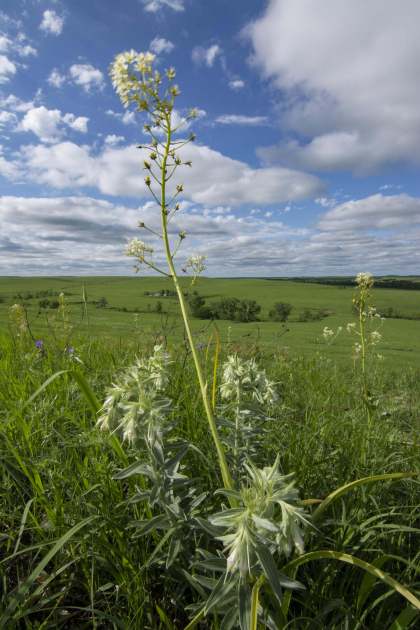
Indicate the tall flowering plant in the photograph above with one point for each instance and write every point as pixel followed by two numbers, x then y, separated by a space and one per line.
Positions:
pixel 366 332
pixel 150 92
pixel 230 555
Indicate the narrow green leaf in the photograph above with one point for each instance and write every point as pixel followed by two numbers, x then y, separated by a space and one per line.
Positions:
pixel 23 589
pixel 275 578
pixel 22 524
pixel 244 601
pixel 215 366
pixel 195 620
pixel 354 484
pixel 87 391
pixel 175 547
pixel 270 570
pixel 366 566
pixel 148 525
pixel 368 582
pixel 404 619
pixel 164 618
pixel 137 468
pixel 229 621
pixel 44 386
pixel 80 380
pixel 220 591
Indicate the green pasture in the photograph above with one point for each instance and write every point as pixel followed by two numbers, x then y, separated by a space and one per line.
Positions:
pixel 401 337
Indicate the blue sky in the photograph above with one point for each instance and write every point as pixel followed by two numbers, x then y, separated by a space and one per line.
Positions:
pixel 308 139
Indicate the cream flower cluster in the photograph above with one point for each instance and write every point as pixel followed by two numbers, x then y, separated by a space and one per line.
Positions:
pixel 364 279
pixel 366 332
pixel 329 334
pixel 245 377
pixel 18 319
pixel 125 82
pixel 268 513
pixel 134 405
pixel 196 263
pixel 138 249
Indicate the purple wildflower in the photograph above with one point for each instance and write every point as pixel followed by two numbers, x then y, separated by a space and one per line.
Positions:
pixel 39 344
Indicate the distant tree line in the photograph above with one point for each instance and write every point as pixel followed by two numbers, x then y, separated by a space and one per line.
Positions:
pixel 380 283
pixel 237 310
pixel 35 295
pixel 230 308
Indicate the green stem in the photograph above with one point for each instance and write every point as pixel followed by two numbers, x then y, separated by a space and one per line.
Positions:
pixel 254 603
pixel 362 329
pixel 226 476
pixel 237 424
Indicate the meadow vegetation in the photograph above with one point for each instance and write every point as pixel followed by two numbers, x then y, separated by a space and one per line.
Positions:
pixel 186 477
pixel 58 473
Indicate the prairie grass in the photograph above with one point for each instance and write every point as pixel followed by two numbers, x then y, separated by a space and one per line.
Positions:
pixel 400 346
pixel 57 481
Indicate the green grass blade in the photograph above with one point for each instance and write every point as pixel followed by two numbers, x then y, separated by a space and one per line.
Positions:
pixel 368 582
pixel 80 380
pixel 23 589
pixel 362 564
pixel 196 620
pixel 45 385
pixel 22 524
pixel 354 484
pixel 164 618
pixel 215 367
pixel 404 619
pixel 87 391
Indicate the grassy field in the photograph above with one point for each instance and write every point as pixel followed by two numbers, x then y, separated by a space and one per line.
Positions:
pixel 106 532
pixel 70 555
pixel 401 337
pixel 83 545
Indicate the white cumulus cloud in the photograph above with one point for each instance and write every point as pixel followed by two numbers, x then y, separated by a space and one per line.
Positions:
pixel 7 119
pixel 15 104
pixel 160 45
pixel 82 234
pixel 236 84
pixel 112 139
pixel 52 22
pixel 47 124
pixel 239 119
pixel 372 213
pixel 5 43
pixel 127 118
pixel 348 75
pixel 87 76
pixel 153 6
pixel 7 69
pixel 215 179
pixel 56 79
pixel 206 56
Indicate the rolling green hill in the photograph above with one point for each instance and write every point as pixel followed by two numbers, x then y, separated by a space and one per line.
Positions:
pixel 129 312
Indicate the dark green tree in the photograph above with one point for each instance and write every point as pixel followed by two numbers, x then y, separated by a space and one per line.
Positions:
pixel 280 312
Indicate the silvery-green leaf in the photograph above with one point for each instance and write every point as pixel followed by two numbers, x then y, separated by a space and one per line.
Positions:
pixel 270 570
pixel 264 523
pixel 156 522
pixel 219 593
pixel 244 605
